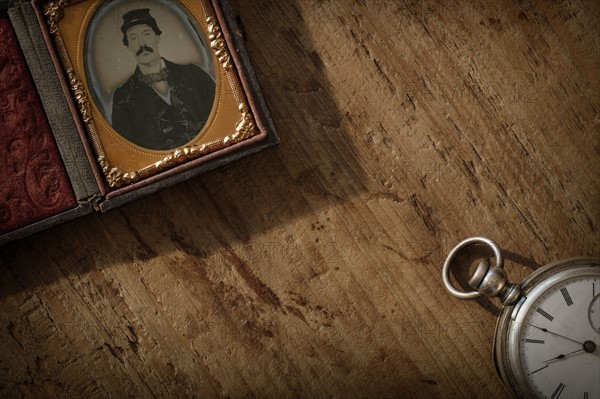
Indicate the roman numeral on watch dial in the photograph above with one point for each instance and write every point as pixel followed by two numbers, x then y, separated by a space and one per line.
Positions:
pixel 558 391
pixel 566 296
pixel 534 341
pixel 545 314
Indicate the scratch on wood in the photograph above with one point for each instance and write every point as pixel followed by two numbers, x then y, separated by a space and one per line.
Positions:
pixel 385 76
pixel 266 294
pixel 424 212
pixel 147 252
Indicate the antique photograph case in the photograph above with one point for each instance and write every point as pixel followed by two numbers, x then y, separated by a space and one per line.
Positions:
pixel 153 80
pixel 107 102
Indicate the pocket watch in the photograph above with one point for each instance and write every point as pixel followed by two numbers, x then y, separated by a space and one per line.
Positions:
pixel 547 339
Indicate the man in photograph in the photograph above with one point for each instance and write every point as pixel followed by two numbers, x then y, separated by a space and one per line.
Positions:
pixel 163 105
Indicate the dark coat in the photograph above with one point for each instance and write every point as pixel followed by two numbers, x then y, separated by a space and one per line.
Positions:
pixel 144 118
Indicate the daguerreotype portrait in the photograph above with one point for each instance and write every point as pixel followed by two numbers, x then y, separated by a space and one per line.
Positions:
pixel 153 80
pixel 151 73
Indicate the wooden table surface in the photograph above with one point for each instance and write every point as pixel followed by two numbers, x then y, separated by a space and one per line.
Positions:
pixel 313 269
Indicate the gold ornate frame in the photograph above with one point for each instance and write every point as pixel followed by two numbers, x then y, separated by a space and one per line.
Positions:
pixel 121 161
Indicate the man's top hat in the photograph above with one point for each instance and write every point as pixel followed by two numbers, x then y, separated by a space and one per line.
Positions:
pixel 138 17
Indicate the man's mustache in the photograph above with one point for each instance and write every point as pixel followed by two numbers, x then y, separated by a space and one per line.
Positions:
pixel 144 48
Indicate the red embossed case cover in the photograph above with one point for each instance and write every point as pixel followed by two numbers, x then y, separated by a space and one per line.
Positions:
pixel 33 181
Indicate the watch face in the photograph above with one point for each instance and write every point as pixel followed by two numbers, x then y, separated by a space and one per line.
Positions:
pixel 556 336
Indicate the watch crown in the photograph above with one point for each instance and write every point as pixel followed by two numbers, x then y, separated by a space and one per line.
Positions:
pixel 479 274
pixel 488 280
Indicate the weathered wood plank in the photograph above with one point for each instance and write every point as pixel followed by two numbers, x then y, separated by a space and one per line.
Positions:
pixel 313 269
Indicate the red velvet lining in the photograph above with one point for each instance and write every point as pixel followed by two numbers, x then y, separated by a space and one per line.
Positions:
pixel 33 181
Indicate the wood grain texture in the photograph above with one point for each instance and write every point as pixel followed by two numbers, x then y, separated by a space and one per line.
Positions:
pixel 313 269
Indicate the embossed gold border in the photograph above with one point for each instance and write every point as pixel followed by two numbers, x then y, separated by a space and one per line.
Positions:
pixel 115 176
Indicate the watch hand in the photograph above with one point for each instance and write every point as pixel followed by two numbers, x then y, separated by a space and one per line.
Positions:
pixel 588 346
pixel 562 356
pixel 558 335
